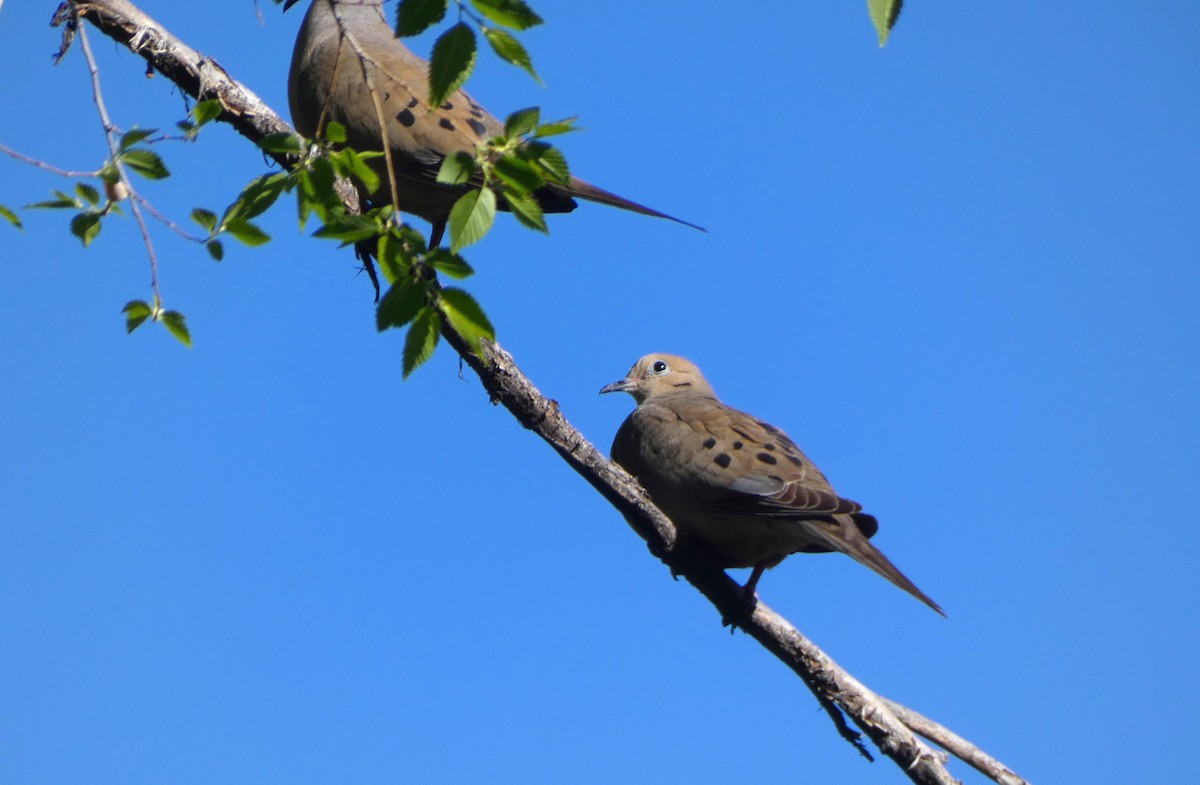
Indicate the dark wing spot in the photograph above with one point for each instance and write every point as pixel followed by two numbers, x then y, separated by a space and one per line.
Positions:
pixel 406 118
pixel 769 446
pixel 767 457
pixel 769 427
pixel 795 460
pixel 474 106
pixel 447 106
pixel 477 113
pixel 479 128
pixel 444 123
pixel 709 443
pixel 723 460
pixel 413 103
pixel 739 444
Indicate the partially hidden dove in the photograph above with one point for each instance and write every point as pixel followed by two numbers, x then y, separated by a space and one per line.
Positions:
pixel 344 48
pixel 740 486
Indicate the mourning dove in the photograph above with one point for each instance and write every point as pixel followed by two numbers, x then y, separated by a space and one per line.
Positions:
pixel 329 81
pixel 737 484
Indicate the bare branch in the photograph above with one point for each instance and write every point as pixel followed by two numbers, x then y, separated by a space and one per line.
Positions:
pixel 43 165
pixel 891 727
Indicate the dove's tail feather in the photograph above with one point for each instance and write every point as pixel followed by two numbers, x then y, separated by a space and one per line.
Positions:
pixel 850 541
pixel 585 190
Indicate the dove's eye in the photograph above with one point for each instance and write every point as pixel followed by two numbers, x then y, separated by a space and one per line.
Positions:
pixel 659 368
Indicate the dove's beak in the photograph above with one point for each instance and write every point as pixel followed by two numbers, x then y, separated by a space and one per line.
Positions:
pixel 289 3
pixel 624 385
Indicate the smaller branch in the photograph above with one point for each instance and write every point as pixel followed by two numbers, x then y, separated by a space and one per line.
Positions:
pixel 43 165
pixel 956 745
pixel 174 227
pixel 110 131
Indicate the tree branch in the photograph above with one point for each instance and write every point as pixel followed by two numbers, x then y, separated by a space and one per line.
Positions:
pixel 893 728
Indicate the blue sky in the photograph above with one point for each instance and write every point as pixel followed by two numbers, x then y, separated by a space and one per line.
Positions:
pixel 960 271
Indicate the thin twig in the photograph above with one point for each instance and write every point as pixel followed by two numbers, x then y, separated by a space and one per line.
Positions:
pixel 43 165
pixel 110 136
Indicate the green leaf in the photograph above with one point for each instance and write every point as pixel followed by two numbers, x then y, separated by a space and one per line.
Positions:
pixel 527 209
pixel 522 121
pixel 258 196
pixel 136 312
pixel 465 316
pixel 471 218
pixel 510 13
pixel 352 165
pixel 421 340
pixel 457 168
pixel 146 163
pixel 556 127
pixel 510 50
pixel 245 231
pixel 215 249
pixel 417 16
pixel 401 304
pixel 335 132
pixel 519 175
pixel 449 263
pixel 86 226
pixel 207 111
pixel 883 15
pixel 61 201
pixel 87 193
pixel 395 252
pixel 451 63
pixel 109 175
pixel 283 143
pixel 10 216
pixel 206 218
pixel 550 159
pixel 135 135
pixel 177 326
pixel 349 228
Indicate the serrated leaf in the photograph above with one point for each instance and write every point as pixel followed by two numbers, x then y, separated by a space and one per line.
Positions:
pixel 245 231
pixel 87 193
pixel 401 304
pixel 527 210
pixel 421 340
pixel 135 135
pixel 176 324
pixel 349 228
pixel 146 163
pixel 417 16
pixel 335 132
pixel 510 13
pixel 206 111
pixel 258 196
pixel 353 166
pixel 215 249
pixel 465 316
pixel 136 312
pixel 457 168
pixel 206 218
pixel 395 252
pixel 86 226
pixel 522 121
pixel 283 143
pixel 517 174
pixel 550 159
pixel 471 218
pixel 449 263
pixel 109 175
pixel 556 127
pixel 61 201
pixel 451 63
pixel 883 15
pixel 510 50
pixel 10 216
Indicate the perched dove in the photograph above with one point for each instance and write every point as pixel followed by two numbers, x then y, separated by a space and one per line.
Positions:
pixel 345 46
pixel 739 485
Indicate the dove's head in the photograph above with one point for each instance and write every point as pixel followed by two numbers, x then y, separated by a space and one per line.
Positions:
pixel 661 374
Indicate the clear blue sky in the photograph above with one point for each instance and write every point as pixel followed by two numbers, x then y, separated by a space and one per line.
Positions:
pixel 960 271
